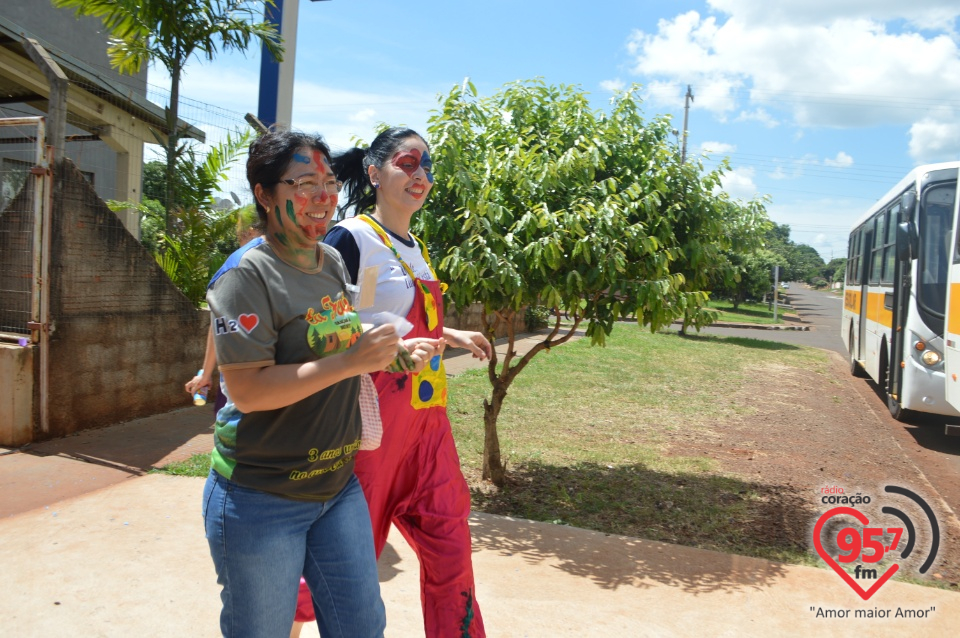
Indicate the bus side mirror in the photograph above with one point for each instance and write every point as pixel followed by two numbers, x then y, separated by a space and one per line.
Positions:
pixel 908 202
pixel 907 241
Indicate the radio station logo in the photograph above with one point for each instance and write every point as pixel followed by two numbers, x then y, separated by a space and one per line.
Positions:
pixel 855 549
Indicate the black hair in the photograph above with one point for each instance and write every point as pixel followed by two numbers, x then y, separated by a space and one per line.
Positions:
pixel 270 155
pixel 351 166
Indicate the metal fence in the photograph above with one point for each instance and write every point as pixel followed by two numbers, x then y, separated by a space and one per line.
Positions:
pixel 24 189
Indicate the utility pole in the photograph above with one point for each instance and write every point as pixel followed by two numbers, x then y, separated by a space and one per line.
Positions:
pixel 688 98
pixel 275 104
pixel 776 286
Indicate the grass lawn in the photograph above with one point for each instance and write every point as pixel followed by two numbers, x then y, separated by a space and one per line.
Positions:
pixel 746 312
pixel 584 432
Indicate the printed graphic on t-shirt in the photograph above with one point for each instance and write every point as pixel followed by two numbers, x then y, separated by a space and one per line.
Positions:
pixel 334 327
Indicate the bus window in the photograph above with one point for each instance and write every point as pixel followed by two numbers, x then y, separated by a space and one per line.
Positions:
pixel 890 245
pixel 876 251
pixel 936 225
pixel 852 255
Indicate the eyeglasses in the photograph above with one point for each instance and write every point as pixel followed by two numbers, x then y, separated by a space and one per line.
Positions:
pixel 309 188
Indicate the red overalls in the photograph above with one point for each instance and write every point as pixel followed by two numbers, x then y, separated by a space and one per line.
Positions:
pixel 413 480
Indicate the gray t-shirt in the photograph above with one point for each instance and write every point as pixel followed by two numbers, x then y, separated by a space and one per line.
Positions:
pixel 266 312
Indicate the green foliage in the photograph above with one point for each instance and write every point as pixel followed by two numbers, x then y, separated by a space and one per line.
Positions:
pixel 171 32
pixel 755 276
pixel 537 317
pixel 154 180
pixel 541 200
pixel 202 235
pixel 835 270
pixel 799 262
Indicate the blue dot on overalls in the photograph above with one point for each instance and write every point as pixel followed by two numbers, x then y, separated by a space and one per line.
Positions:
pixel 435 363
pixel 425 391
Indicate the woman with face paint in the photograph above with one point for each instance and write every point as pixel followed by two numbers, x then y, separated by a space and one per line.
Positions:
pixel 281 499
pixel 413 480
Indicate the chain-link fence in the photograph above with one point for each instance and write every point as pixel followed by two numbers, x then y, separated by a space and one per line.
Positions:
pixel 22 167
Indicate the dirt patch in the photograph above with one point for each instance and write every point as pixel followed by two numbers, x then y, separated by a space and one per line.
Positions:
pixel 816 430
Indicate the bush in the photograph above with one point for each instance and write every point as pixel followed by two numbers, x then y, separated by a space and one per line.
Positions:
pixel 537 317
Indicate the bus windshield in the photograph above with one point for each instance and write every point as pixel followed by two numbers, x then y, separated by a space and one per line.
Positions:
pixel 936 225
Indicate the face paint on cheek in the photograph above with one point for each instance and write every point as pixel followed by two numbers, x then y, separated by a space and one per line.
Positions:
pixel 291 213
pixel 427 163
pixel 302 203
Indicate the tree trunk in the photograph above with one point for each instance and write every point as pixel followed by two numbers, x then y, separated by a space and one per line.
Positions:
pixel 172 138
pixel 493 469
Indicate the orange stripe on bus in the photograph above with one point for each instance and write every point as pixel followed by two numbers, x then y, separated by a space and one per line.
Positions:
pixel 876 311
pixel 953 314
pixel 851 301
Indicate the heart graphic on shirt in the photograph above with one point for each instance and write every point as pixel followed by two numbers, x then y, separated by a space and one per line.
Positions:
pixel 248 322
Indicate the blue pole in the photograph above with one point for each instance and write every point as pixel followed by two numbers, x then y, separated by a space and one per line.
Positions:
pixel 270 70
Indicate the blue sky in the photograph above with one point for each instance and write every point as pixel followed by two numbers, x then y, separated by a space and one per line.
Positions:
pixel 821 107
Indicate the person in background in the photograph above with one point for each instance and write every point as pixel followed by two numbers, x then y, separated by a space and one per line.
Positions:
pixel 413 480
pixel 281 498
pixel 249 231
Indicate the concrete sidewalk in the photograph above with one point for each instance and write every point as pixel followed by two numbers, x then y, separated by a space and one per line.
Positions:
pixel 94 547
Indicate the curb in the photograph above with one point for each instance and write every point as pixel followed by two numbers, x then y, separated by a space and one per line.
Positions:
pixel 751 326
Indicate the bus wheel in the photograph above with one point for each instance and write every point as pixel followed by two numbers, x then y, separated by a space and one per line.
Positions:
pixel 855 368
pixel 897 412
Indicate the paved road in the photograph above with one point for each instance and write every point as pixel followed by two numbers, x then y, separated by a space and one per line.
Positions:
pixel 820 309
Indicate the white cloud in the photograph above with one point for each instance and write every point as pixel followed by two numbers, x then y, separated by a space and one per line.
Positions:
pixel 717 148
pixel 827 66
pixel 363 115
pixel 612 85
pixel 935 140
pixel 739 184
pixel 842 160
pixel 758 115
pixel 932 14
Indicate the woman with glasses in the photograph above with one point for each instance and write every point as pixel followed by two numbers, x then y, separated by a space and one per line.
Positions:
pixel 281 499
pixel 413 480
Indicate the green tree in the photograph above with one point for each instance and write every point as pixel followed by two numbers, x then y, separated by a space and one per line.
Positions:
pixel 155 181
pixel 171 32
pixel 836 264
pixel 542 200
pixel 746 224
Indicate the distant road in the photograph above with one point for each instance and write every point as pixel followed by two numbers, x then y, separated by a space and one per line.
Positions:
pixel 820 310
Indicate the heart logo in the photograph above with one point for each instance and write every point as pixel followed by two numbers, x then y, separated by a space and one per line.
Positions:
pixel 829 560
pixel 248 322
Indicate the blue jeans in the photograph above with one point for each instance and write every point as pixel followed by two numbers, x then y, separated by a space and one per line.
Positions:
pixel 262 543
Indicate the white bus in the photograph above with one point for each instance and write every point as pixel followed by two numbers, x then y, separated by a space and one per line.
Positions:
pixel 951 353
pixel 895 295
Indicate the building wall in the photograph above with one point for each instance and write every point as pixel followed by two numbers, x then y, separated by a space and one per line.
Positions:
pixel 85 39
pixel 16 402
pixel 82 37
pixel 123 338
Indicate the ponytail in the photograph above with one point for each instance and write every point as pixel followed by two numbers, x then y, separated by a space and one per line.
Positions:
pixel 350 167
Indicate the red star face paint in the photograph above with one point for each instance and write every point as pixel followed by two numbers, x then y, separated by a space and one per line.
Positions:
pixel 410 161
